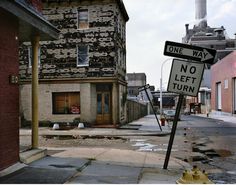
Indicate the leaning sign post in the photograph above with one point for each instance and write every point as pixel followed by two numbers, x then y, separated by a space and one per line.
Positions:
pixel 185 77
pixel 146 88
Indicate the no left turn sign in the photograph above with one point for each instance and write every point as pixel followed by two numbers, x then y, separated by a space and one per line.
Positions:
pixel 185 77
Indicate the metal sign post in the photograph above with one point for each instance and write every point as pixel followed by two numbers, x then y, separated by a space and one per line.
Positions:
pixel 145 87
pixel 172 135
pixel 185 77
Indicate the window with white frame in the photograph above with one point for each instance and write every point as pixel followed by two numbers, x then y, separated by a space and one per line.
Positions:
pixel 218 96
pixel 83 19
pixel 82 55
pixel 226 84
pixel 30 56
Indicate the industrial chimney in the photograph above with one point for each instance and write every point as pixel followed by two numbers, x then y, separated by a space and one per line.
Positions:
pixel 201 13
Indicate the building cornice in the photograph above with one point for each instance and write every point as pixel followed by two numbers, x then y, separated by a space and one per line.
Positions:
pixel 77 80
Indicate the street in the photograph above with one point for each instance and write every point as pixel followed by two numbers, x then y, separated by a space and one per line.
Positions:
pixel 216 140
pixel 207 143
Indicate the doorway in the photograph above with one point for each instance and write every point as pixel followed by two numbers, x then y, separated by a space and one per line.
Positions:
pixel 103 105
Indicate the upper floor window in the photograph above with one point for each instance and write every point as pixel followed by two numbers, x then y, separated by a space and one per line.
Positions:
pixel 82 55
pixel 83 21
pixel 30 56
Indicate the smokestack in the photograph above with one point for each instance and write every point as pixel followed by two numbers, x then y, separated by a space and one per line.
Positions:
pixel 201 13
pixel 187 29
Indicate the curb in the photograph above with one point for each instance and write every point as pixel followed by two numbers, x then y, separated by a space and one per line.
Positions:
pixel 32 155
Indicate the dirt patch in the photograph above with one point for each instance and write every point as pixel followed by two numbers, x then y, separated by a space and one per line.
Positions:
pixel 224 153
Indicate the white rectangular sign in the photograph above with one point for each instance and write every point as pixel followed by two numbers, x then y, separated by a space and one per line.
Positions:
pixel 185 77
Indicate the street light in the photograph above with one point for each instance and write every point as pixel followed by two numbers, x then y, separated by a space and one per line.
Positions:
pixel 161 84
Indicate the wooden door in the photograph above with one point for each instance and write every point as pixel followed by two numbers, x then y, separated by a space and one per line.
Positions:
pixel 103 108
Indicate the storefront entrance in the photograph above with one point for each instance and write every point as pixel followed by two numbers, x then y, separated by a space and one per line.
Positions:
pixel 103 105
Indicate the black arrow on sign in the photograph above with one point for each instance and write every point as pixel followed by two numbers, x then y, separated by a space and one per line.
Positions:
pixel 190 52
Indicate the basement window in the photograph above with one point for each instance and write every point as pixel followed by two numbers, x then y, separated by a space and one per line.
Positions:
pixel 83 20
pixel 66 102
pixel 30 56
pixel 82 55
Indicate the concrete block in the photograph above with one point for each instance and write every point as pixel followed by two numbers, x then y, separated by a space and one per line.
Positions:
pixel 32 155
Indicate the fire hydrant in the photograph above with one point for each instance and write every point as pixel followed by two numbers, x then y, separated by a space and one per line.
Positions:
pixel 194 176
pixel 163 121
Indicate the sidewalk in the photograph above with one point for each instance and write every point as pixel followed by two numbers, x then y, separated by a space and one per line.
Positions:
pixel 100 165
pixel 223 117
pixel 146 126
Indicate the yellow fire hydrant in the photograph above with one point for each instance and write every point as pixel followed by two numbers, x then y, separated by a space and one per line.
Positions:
pixel 194 176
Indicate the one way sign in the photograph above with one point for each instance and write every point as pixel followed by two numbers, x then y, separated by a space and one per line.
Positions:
pixel 190 52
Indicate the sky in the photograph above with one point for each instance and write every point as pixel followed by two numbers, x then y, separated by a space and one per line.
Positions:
pixel 152 22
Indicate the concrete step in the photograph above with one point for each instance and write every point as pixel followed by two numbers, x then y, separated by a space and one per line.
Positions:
pixel 32 155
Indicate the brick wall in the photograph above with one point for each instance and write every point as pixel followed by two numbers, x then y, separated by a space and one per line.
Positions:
pixel 221 71
pixel 37 4
pixel 9 93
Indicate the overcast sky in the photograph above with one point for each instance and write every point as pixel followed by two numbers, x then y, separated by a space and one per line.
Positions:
pixel 152 22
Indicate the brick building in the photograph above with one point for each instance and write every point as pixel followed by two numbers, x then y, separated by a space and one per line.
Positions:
pixel 82 74
pixel 204 35
pixel 223 85
pixel 19 21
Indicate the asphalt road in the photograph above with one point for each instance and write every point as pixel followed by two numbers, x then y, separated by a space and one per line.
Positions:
pixel 216 140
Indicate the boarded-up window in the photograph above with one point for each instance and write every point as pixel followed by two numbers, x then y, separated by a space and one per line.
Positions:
pixel 83 21
pixel 66 103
